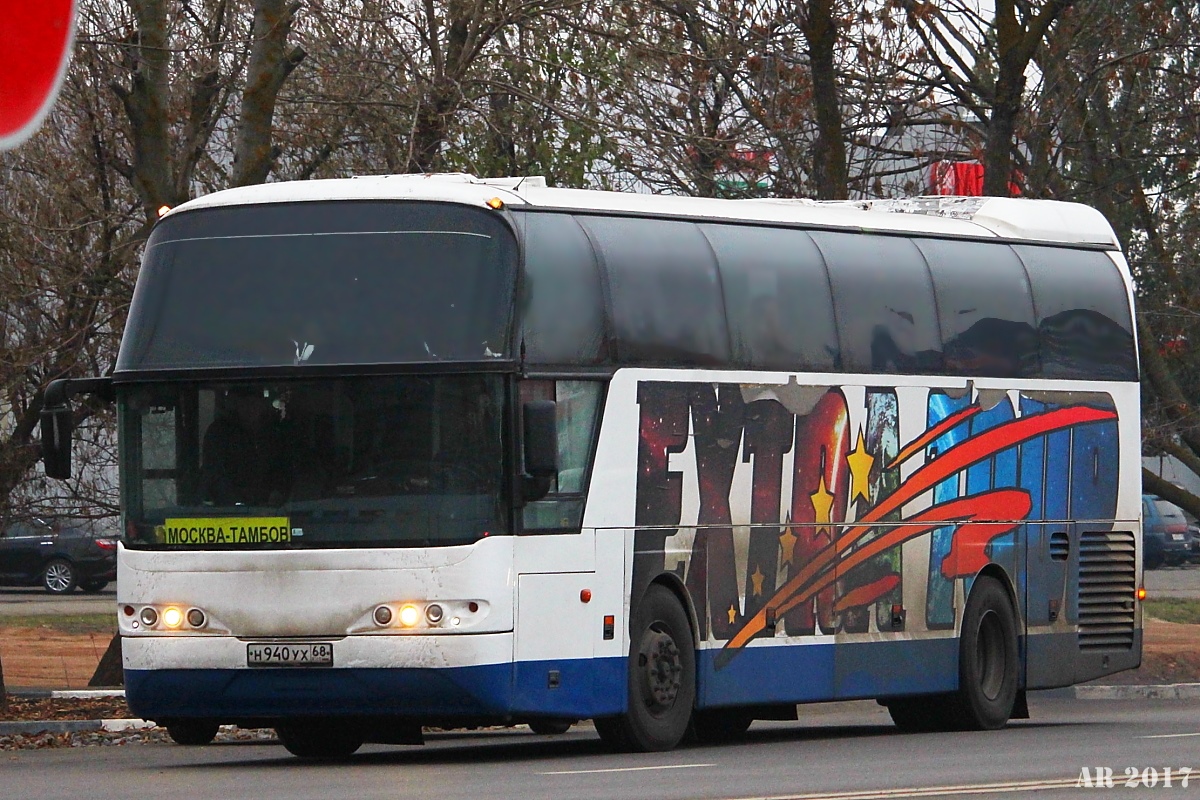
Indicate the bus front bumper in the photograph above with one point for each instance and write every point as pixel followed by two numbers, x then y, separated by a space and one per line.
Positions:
pixel 429 678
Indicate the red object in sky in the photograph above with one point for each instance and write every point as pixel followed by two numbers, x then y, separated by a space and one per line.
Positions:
pixel 964 179
pixel 35 46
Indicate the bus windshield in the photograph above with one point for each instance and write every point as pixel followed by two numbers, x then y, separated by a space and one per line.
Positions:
pixel 322 283
pixel 348 462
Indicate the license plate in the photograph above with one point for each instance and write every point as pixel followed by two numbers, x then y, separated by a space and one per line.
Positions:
pixel 308 654
pixel 1179 537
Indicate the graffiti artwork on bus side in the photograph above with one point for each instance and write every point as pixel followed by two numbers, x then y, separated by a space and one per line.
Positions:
pixel 811 491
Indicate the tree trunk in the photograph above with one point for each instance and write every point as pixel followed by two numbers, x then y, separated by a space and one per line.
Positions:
pixel 829 149
pixel 3 691
pixel 270 65
pixel 1016 44
pixel 147 103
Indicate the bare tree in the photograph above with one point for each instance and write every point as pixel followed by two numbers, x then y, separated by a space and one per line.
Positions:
pixel 983 60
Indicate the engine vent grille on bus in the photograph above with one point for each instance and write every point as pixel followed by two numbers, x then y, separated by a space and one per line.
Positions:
pixel 1107 587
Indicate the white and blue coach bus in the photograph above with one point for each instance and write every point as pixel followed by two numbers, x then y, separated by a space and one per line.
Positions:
pixel 437 450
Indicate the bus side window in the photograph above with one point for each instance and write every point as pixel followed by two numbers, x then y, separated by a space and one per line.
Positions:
pixel 561 307
pixel 578 405
pixel 985 307
pixel 883 301
pixel 667 306
pixel 776 298
pixel 1085 331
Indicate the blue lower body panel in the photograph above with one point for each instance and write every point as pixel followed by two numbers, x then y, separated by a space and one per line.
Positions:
pixel 582 688
pixel 819 672
pixel 579 688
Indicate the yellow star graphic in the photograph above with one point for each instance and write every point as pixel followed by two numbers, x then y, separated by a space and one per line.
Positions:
pixel 757 578
pixel 732 613
pixel 787 545
pixel 822 503
pixel 860 462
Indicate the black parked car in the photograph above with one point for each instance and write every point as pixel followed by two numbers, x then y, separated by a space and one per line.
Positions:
pixel 58 555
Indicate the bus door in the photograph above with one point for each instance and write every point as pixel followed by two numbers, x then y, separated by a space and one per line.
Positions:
pixel 555 624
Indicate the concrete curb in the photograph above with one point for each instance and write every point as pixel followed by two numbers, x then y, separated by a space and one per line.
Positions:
pixel 65 694
pixel 74 726
pixel 1168 691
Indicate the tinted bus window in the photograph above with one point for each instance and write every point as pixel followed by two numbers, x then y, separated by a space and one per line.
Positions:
pixel 776 298
pixel 562 305
pixel 883 301
pixel 985 308
pixel 666 296
pixel 1084 326
pixel 323 283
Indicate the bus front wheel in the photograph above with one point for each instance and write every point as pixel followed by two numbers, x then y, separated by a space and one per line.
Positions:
pixel 192 731
pixel 661 680
pixel 326 740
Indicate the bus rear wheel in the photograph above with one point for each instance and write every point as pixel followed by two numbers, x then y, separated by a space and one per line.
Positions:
pixel 987 660
pixel 324 740
pixel 662 678
pixel 987 671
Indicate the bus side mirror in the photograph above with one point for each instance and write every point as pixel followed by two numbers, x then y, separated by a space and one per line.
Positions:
pixel 58 422
pixel 57 425
pixel 541 448
pixel 541 438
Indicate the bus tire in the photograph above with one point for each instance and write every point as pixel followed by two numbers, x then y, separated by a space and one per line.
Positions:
pixel 921 714
pixel 717 725
pixel 192 731
pixel 319 740
pixel 661 678
pixel 987 659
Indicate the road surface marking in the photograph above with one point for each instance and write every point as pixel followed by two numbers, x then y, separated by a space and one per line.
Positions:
pixel 1168 736
pixel 931 791
pixel 625 769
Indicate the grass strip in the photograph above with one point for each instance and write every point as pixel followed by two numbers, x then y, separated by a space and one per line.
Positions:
pixel 1174 609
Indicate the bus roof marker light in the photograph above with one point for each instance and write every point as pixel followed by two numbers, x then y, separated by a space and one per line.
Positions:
pixel 162 211
pixel 495 204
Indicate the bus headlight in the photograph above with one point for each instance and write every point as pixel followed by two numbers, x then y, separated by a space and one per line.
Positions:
pixel 172 617
pixel 149 617
pixel 409 614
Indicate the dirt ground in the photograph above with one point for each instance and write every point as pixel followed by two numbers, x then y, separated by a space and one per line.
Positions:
pixel 46 658
pixel 43 658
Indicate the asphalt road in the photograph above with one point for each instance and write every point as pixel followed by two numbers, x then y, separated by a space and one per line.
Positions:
pixel 846 751
pixel 1173 582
